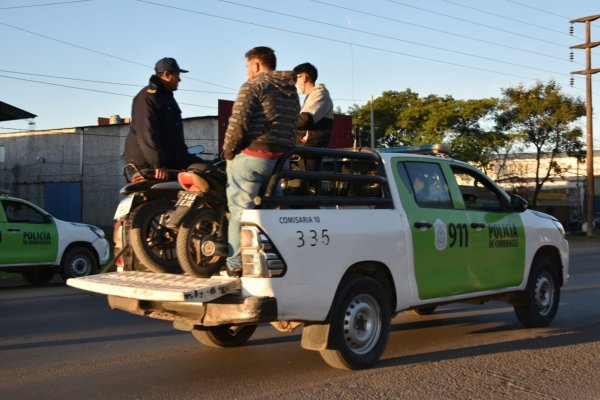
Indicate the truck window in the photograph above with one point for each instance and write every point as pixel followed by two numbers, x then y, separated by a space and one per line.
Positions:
pixel 477 193
pixel 19 212
pixel 427 184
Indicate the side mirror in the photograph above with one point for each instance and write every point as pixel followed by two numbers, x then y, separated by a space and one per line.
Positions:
pixel 196 149
pixel 517 203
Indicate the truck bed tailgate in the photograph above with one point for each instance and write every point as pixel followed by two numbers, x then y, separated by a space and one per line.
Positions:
pixel 157 287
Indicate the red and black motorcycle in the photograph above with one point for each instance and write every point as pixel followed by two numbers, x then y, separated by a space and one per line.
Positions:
pixel 200 218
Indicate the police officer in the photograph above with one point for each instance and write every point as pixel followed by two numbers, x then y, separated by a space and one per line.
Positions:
pixel 155 139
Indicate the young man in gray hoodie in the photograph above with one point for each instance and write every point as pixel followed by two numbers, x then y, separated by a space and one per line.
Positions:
pixel 261 128
pixel 315 122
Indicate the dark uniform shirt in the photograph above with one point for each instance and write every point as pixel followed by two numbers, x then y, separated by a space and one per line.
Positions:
pixel 155 138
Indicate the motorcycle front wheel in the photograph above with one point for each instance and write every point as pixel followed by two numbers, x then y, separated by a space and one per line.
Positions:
pixel 196 229
pixel 153 244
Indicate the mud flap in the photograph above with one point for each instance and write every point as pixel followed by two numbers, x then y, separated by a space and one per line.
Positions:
pixel 315 336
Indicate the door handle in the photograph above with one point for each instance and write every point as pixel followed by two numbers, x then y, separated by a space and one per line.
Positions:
pixel 422 224
pixel 477 225
pixel 13 230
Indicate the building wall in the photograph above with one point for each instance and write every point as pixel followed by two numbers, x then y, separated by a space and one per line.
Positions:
pixel 563 196
pixel 89 155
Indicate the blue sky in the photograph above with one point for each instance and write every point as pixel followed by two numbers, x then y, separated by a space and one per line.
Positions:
pixel 464 48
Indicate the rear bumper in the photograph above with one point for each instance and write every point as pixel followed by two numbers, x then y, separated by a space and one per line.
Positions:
pixel 229 309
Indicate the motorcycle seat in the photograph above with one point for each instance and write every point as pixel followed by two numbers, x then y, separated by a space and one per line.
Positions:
pixel 192 182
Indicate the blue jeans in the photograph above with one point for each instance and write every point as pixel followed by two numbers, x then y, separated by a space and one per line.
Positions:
pixel 245 176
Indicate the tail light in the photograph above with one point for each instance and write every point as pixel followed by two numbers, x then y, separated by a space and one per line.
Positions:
pixel 118 242
pixel 192 182
pixel 260 258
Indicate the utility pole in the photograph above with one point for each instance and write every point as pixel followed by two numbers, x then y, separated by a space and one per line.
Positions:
pixel 588 72
pixel 373 144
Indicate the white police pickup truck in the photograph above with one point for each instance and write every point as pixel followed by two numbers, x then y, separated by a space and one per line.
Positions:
pixel 379 233
pixel 37 245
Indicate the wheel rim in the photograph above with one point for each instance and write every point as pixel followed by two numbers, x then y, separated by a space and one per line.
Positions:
pixel 80 266
pixel 160 240
pixel 544 293
pixel 362 324
pixel 204 229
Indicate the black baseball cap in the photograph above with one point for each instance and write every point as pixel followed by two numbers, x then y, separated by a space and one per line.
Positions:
pixel 167 64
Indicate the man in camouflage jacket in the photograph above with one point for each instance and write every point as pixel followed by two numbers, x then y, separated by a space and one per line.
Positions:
pixel 261 128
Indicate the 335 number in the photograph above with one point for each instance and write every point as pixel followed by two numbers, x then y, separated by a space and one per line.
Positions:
pixel 312 238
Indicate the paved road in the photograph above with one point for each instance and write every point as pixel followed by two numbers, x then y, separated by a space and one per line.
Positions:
pixel 61 343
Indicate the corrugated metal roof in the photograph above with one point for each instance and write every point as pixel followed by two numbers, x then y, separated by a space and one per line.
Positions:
pixel 10 113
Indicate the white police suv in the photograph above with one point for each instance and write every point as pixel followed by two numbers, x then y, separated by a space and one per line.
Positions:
pixel 37 245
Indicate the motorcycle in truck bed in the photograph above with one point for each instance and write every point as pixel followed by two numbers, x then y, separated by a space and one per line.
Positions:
pixel 379 232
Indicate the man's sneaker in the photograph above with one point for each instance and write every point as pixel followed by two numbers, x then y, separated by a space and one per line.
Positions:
pixel 234 272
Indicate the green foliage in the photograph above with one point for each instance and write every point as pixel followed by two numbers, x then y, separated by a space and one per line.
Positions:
pixel 482 129
pixel 543 118
pixel 404 118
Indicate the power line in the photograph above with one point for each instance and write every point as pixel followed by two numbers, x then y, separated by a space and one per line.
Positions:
pixel 88 90
pixel 335 40
pixel 393 38
pixel 100 52
pixel 474 23
pixel 528 51
pixel 505 17
pixel 104 82
pixel 45 4
pixel 538 9
pixel 128 84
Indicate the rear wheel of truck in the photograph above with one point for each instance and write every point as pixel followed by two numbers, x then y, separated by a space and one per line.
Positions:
pixel 153 244
pixel 359 324
pixel 199 229
pixel 224 335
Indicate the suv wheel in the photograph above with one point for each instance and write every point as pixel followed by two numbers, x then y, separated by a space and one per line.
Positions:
pixel 77 262
pixel 542 295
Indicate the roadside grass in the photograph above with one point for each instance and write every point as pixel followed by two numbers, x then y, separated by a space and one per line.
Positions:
pixel 8 277
pixel 581 238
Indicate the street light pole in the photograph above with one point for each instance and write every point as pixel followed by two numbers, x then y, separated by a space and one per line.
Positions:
pixel 588 72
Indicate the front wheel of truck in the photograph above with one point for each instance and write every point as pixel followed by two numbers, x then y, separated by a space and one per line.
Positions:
pixel 542 295
pixel 224 335
pixel 359 324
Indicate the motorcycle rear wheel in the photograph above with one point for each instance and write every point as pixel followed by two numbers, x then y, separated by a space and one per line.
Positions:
pixel 154 245
pixel 197 227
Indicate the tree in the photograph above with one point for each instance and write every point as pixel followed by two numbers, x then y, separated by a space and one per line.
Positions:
pixel 387 109
pixel 404 118
pixel 472 134
pixel 543 118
